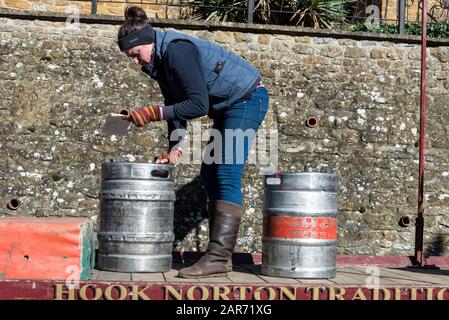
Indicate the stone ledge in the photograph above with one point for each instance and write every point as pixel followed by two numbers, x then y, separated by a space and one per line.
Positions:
pixel 225 26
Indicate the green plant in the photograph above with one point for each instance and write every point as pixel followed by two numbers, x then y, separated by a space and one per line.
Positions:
pixel 307 13
pixel 319 13
pixel 219 10
pixel 381 28
pixel 357 27
pixel 387 28
pixel 434 29
pixel 265 11
pixel 438 30
pixel 271 11
pixel 413 28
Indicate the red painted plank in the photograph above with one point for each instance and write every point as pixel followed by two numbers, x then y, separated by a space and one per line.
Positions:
pixel 438 261
pixel 384 261
pixel 41 248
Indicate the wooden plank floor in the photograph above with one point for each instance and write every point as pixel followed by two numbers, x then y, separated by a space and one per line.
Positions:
pixel 346 276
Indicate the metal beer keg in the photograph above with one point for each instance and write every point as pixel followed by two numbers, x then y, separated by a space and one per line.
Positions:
pixel 300 226
pixel 136 217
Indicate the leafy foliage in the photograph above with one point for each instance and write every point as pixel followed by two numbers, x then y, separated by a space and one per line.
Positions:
pixel 319 13
pixel 219 10
pixel 307 13
pixel 434 29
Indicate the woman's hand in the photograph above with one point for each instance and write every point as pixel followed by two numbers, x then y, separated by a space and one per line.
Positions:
pixel 144 115
pixel 171 157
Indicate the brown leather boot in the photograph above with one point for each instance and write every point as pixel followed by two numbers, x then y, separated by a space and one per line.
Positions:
pixel 211 205
pixel 225 227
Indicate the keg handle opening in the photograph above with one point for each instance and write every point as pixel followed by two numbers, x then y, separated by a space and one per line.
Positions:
pixel 273 181
pixel 159 173
pixel 124 112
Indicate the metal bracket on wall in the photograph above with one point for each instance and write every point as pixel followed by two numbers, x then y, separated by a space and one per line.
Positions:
pixel 94 7
pixel 250 11
pixel 401 17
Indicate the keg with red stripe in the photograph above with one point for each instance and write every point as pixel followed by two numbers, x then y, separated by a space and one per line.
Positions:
pixel 300 225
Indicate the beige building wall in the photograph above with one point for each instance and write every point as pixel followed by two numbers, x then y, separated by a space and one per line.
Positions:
pixel 160 11
pixel 389 10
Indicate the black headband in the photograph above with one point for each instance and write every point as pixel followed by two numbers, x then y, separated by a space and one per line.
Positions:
pixel 145 35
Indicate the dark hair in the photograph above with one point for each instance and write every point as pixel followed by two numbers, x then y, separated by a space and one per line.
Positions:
pixel 136 19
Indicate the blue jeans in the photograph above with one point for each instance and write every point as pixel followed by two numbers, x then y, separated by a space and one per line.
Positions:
pixel 223 179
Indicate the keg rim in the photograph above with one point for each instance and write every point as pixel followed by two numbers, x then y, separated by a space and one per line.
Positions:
pixel 291 173
pixel 171 166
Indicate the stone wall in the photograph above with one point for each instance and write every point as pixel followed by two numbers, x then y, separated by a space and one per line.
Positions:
pixel 58 84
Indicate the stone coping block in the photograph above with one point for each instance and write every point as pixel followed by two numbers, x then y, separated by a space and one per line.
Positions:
pixel 224 26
